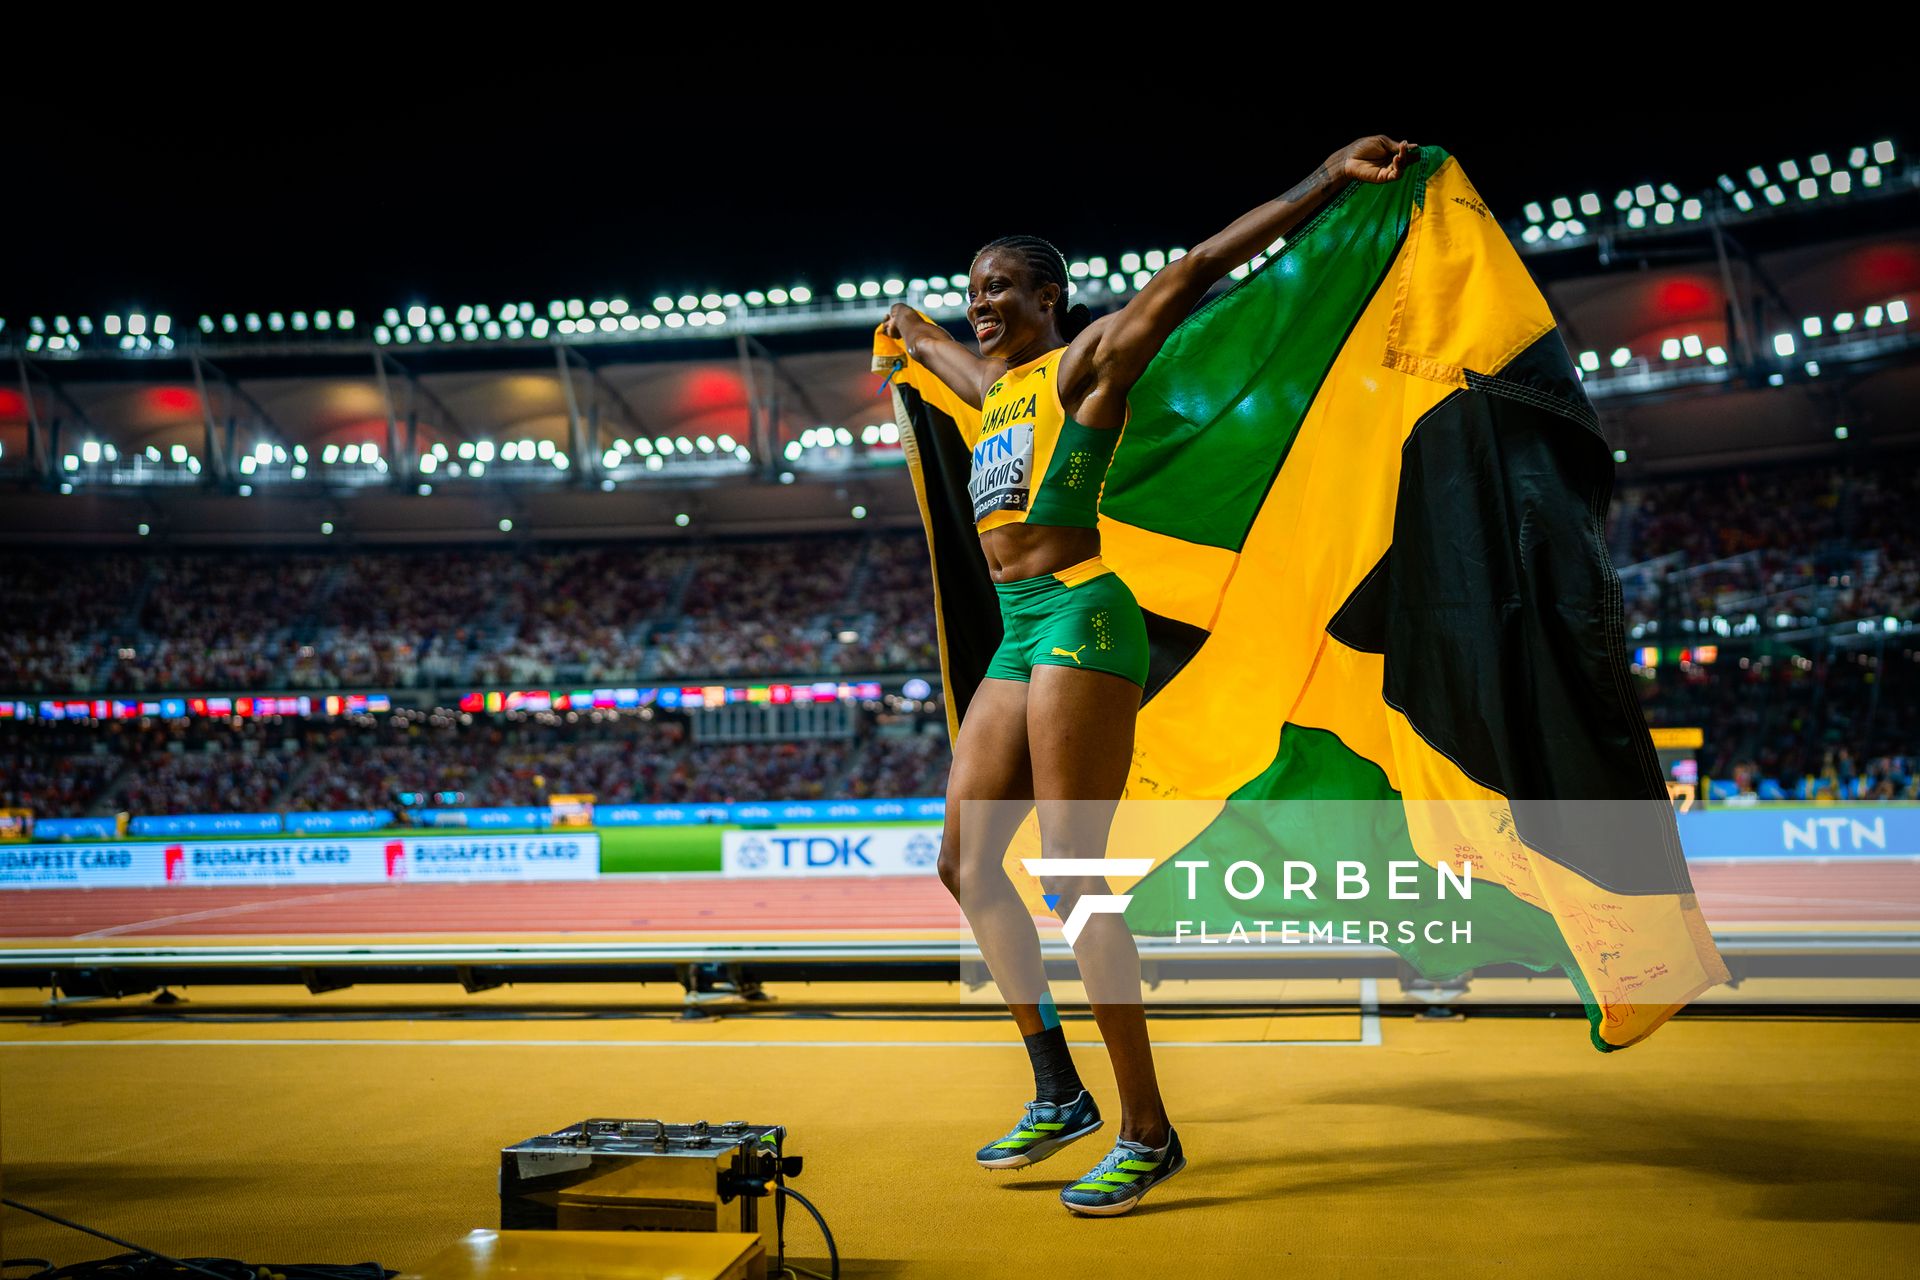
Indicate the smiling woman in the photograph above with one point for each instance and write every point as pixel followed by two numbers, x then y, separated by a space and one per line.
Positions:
pixel 1052 725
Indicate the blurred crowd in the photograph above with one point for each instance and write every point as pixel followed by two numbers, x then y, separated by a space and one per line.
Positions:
pixel 84 622
pixel 369 762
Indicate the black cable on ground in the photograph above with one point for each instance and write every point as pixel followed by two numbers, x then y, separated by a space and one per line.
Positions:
pixel 146 1264
pixel 833 1253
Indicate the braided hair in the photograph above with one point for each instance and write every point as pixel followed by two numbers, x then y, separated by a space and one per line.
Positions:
pixel 1045 265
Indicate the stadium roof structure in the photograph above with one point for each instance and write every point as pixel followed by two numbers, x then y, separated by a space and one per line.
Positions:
pixel 1764 318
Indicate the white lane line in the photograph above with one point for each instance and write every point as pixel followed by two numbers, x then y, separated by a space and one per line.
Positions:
pixel 677 1044
pixel 215 913
pixel 1369 1012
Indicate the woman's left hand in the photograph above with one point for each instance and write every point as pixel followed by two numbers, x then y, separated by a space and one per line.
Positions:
pixel 1373 159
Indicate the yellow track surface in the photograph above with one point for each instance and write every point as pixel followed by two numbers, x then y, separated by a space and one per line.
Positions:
pixel 361 1128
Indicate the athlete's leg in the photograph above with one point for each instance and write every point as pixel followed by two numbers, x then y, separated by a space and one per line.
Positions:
pixel 1080 731
pixel 989 792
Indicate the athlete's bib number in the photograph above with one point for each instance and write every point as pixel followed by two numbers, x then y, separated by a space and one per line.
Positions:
pixel 1002 471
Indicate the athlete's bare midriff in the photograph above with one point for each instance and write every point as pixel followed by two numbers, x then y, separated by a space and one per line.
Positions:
pixel 1017 551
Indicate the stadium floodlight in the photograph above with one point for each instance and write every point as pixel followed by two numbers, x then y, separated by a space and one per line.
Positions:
pixel 446 333
pixel 110 326
pixel 380 335
pixel 262 452
pixel 1619 455
pixel 845 290
pixel 145 529
pixel 136 324
pixel 299 322
pixel 547 449
pixel 1809 188
pixel 683 520
pixel 470 332
pixel 755 298
pixel 1775 196
pixel 1813 368
pixel 1636 217
pixel 1692 209
pixel 1789 170
pixel 424 490
pixel 1821 164
pixel 1857 157
pixel 610 459
pixel 299 473
pixel 477 470
pixel 1841 182
pixel 1776 380
pixel 492 330
pixel 742 454
pixel 698 319
pixel 483 450
pixel 1727 184
pixel 178 453
pixel 428 464
pixel 705 444
pixel 1757 176
pixel 683 444
pixel 642 446
pixel 1155 260
pixel 153 454
pixel 1670 349
pixel 323 320
pixel 416 317
pixel 663 303
pixel 869 288
pixel 436 315
pixel 1129 262
pixel 843 436
pixel 1663 214
pixel 350 455
pixel 1620 357
pixel 709 301
pixel 716 317
pixel 1783 344
pixel 1562 208
pixel 654 462
pixel 539 329
pixel 726 441
pixel 859 513
pixel 676 321
pixel 1839 433
pixel 1643 195
pixel 206 324
pixel 1811 326
pixel 89 452
pixel 246 491
pixel 506 525
pixel 1883 153
pixel 70 462
pixel 515 330
pixel 1873 316
pixel 1532 235
pixel 466 450
pixel 597 307
pixel 800 293
pixel 793 450
pixel 1743 202
pixel 1691 344
pixel 1716 355
pixel 1897 311
pixel 889 433
pixel 1590 204
pixel 162 325
pixel 193 464
pixel 778 297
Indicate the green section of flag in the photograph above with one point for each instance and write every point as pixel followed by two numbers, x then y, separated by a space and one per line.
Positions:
pixel 1321 804
pixel 1245 368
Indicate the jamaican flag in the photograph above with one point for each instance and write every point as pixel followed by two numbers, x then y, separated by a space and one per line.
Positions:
pixel 1361 499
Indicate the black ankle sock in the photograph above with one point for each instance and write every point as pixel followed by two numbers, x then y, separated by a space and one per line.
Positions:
pixel 1054 1079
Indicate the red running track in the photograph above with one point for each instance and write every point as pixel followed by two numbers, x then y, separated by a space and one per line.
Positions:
pixel 1857 893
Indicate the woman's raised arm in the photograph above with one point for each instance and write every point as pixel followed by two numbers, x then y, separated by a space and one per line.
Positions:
pixel 1110 355
pixel 964 372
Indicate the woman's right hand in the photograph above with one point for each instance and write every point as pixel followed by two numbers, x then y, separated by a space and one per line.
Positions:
pixel 892 327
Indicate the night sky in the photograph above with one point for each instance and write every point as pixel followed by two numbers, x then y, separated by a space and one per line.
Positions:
pixel 444 206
